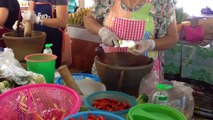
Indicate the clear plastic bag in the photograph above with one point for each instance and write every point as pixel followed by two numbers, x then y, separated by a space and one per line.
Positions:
pixel 12 70
pixel 179 97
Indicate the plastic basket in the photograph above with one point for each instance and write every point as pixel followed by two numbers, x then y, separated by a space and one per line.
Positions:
pixel 84 115
pixel 113 95
pixel 79 76
pixel 39 100
pixel 154 112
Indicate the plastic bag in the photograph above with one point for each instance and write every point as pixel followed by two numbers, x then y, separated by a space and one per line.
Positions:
pixel 148 85
pixel 12 70
pixel 179 97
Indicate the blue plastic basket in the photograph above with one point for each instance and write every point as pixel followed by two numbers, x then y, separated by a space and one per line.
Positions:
pixel 120 96
pixel 106 115
pixel 79 76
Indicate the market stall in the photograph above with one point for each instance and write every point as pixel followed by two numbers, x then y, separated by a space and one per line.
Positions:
pixel 42 91
pixel 190 61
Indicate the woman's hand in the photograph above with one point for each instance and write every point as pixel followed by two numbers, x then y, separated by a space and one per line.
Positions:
pixel 15 25
pixel 108 37
pixel 31 17
pixel 142 46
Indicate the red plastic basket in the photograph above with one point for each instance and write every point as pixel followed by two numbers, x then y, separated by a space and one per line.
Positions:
pixel 39 101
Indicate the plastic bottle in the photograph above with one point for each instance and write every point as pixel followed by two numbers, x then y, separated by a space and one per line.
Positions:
pixel 47 49
pixel 161 96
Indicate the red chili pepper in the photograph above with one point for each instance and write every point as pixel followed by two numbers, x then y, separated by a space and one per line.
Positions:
pixel 110 104
pixel 90 117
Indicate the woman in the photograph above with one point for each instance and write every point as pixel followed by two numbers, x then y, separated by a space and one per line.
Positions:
pixel 51 18
pixel 151 24
pixel 9 13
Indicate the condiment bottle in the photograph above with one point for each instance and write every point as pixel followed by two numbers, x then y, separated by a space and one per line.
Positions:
pixel 47 49
pixel 161 96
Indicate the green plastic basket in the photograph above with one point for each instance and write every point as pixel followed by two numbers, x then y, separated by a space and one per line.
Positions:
pixel 154 112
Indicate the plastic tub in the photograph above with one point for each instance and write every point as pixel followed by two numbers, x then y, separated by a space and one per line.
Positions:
pixel 43 64
pixel 119 96
pixel 79 76
pixel 84 115
pixel 86 86
pixel 154 112
pixel 30 102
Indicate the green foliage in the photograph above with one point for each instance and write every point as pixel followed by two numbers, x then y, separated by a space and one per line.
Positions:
pixel 83 108
pixel 180 15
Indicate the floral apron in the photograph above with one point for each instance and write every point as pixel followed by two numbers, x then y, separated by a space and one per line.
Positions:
pixel 134 25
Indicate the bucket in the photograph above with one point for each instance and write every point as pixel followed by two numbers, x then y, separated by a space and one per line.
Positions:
pixel 43 64
pixel 154 112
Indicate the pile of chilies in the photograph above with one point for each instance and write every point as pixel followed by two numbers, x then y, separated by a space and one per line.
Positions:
pixel 110 104
pixel 107 105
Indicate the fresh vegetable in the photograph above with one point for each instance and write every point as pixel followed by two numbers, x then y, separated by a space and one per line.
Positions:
pixel 77 17
pixel 48 114
pixel 110 104
pixel 4 84
pixel 142 99
pixel 90 117
pixel 83 108
pixel 127 43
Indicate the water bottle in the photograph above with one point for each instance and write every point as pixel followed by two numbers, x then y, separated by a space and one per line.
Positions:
pixel 47 49
pixel 161 96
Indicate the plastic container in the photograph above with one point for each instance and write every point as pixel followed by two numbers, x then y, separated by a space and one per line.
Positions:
pixel 43 64
pixel 91 86
pixel 79 76
pixel 119 96
pixel 106 115
pixel 154 112
pixel 47 49
pixel 161 96
pixel 30 101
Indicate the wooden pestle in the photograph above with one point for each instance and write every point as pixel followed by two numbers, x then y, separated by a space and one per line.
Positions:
pixel 27 29
pixel 67 77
